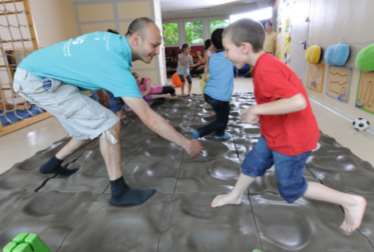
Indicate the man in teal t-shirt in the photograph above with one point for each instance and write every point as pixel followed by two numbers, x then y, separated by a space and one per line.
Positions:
pixel 51 78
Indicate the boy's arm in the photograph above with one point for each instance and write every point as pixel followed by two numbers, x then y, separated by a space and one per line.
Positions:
pixel 160 126
pixel 278 107
pixel 281 106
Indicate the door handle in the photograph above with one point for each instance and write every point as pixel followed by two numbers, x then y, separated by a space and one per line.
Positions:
pixel 304 43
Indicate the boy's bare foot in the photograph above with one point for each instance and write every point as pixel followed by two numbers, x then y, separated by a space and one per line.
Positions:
pixel 225 199
pixel 353 214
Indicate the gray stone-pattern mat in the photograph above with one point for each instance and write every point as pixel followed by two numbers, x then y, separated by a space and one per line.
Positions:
pixel 73 214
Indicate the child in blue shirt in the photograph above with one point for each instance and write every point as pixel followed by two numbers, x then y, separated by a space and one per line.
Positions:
pixel 218 90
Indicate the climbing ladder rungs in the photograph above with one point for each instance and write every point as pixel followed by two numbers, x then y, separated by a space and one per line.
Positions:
pixel 20 20
pixel 14 40
pixel 10 65
pixel 10 13
pixel 11 1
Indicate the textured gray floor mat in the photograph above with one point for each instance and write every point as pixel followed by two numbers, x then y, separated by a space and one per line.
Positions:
pixel 72 214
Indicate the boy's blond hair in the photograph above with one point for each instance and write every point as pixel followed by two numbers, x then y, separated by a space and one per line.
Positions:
pixel 246 30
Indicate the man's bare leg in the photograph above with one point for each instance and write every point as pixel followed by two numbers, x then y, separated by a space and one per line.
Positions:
pixel 233 197
pixel 70 147
pixel 122 194
pixel 110 150
pixel 354 205
pixel 54 164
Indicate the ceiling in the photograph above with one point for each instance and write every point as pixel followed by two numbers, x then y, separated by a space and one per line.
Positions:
pixel 188 5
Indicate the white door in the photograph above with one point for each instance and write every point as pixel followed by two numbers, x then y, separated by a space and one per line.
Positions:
pixel 299 36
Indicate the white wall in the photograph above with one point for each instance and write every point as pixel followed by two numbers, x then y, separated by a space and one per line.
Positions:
pixel 161 58
pixel 343 21
pixel 334 21
pixel 96 15
pixel 54 20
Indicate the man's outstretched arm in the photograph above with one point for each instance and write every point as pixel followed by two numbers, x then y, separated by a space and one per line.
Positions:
pixel 159 125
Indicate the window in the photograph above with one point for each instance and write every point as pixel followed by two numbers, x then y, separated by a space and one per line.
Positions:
pixel 171 34
pixel 218 23
pixel 194 32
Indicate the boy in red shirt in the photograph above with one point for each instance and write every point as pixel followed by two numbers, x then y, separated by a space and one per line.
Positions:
pixel 288 127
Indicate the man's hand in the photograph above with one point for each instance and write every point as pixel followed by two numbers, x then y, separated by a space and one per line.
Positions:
pixel 162 127
pixel 193 148
pixel 249 116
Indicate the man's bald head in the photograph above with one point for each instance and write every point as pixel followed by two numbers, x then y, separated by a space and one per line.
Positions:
pixel 138 25
pixel 144 38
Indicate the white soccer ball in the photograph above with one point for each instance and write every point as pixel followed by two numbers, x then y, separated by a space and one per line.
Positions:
pixel 360 124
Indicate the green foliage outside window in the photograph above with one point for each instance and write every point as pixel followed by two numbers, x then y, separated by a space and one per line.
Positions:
pixel 171 33
pixel 218 23
pixel 194 32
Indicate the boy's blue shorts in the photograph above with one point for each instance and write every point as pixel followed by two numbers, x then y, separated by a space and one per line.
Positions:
pixel 289 170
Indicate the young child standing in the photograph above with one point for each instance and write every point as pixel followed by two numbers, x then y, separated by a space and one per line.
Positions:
pixel 185 61
pixel 288 127
pixel 218 90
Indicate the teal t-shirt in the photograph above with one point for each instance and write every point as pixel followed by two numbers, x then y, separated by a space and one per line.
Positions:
pixel 99 60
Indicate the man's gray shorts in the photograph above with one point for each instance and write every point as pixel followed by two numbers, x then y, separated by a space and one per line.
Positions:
pixel 81 116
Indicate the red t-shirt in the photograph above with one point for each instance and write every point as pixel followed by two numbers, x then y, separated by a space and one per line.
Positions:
pixel 289 134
